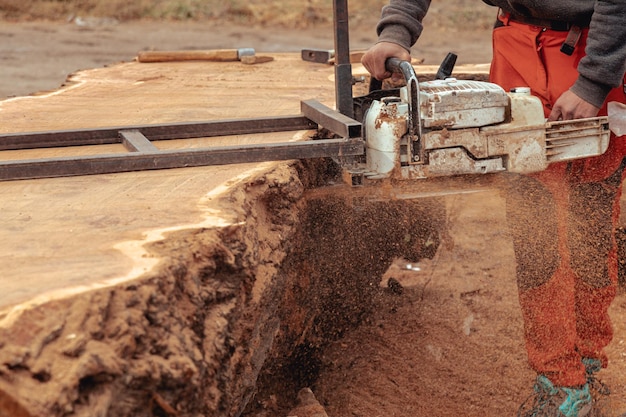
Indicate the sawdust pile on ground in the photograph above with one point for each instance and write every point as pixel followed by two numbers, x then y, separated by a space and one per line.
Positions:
pixel 450 343
pixel 446 341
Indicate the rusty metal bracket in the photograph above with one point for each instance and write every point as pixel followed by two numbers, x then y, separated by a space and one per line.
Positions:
pixel 144 155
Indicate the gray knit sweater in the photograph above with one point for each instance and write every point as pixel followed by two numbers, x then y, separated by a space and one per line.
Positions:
pixel 600 70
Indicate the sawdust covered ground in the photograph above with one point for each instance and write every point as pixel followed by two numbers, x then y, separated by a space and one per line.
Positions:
pixel 445 339
pixel 450 342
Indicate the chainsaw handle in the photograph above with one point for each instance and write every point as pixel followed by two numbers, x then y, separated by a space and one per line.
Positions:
pixel 414 122
pixel 396 65
pixel 393 65
pixel 406 69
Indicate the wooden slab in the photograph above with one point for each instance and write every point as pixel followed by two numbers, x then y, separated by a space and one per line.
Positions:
pixel 65 235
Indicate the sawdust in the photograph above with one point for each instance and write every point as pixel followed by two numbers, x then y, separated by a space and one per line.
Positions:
pixel 451 342
pixel 444 339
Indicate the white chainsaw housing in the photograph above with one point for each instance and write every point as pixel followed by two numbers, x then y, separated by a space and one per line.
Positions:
pixel 471 127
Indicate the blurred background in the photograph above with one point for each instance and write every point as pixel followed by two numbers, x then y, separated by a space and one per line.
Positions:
pixel 43 41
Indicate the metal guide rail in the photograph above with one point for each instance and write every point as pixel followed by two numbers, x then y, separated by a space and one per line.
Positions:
pixel 142 154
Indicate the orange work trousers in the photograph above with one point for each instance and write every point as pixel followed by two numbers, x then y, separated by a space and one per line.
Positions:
pixel 562 220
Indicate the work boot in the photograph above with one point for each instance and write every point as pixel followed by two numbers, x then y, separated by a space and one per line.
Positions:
pixel 549 400
pixel 599 390
pixel 592 367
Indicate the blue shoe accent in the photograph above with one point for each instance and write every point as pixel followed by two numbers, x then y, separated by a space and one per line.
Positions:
pixel 553 401
pixel 577 403
pixel 592 365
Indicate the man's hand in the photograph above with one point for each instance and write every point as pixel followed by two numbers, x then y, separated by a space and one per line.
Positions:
pixel 569 106
pixel 375 58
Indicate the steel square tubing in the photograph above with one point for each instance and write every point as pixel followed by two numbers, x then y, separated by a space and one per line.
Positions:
pixel 137 161
pixel 108 135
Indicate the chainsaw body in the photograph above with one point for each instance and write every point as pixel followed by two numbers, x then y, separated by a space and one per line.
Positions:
pixel 458 127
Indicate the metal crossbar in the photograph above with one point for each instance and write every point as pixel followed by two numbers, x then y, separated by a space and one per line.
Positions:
pixel 144 155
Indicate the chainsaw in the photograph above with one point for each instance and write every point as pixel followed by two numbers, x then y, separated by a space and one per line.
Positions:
pixel 448 127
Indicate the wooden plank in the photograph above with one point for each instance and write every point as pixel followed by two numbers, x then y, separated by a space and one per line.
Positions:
pixel 66 237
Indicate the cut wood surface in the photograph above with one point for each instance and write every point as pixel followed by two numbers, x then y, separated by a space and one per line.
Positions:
pixel 66 235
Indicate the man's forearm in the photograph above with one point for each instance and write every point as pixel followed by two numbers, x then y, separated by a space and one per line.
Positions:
pixel 401 21
pixel 603 66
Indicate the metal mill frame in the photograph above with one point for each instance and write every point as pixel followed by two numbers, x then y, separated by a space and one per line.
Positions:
pixel 144 155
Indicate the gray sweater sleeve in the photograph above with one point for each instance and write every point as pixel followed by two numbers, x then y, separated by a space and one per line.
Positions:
pixel 600 70
pixel 604 64
pixel 401 22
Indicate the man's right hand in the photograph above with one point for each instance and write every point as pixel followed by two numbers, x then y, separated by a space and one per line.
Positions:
pixel 569 106
pixel 375 58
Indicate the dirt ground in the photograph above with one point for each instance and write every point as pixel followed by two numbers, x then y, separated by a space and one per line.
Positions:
pixel 450 344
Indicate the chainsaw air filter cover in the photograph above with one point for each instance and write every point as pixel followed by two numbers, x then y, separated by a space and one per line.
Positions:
pixel 457 104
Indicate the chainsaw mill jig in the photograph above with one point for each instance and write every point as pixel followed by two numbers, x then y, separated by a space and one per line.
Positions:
pixel 438 128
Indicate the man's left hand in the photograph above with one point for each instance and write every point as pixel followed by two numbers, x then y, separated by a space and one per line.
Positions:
pixel 569 106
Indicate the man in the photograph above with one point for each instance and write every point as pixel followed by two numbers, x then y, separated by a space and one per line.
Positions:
pixel 572 54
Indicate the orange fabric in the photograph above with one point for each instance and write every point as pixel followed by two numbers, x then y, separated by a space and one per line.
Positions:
pixel 565 319
pixel 529 56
